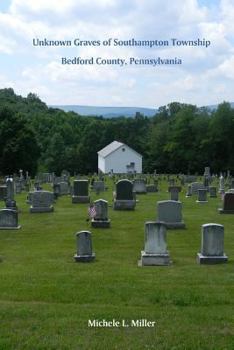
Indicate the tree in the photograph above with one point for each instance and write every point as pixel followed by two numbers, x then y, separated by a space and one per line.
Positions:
pixel 18 145
pixel 220 138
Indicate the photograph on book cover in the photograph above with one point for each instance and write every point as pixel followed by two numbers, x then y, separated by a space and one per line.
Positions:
pixel 116 174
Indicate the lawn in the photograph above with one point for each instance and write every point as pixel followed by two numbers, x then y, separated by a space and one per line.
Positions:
pixel 46 299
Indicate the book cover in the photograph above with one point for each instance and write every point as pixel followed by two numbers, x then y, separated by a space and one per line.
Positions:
pixel 116 174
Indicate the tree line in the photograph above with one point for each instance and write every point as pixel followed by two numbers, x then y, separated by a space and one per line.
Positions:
pixel 180 138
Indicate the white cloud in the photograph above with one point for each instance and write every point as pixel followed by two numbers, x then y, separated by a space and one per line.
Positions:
pixel 200 79
pixel 227 13
pixel 7 46
pixel 27 6
pixel 225 69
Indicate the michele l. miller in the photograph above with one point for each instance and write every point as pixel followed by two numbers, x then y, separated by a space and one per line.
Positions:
pixel 141 323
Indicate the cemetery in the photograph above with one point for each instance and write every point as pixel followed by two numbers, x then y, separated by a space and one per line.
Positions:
pixel 155 256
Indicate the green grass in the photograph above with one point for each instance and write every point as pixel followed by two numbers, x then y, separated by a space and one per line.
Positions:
pixel 46 299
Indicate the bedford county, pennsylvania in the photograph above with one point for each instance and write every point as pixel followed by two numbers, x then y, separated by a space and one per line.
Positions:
pixel 100 61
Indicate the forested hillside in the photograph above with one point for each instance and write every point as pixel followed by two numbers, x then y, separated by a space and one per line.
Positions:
pixel 180 138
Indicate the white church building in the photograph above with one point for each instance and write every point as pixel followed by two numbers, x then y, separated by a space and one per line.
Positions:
pixel 118 158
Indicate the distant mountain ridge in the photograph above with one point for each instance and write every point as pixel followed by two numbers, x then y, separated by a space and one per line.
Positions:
pixel 115 112
pixel 107 112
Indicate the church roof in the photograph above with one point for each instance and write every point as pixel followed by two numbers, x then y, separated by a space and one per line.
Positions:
pixel 113 146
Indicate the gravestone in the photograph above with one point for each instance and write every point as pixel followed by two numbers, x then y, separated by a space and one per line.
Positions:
pixel 207 172
pixel 10 202
pixel 9 219
pixel 21 174
pixel 202 196
pixel 228 204
pixel 213 192
pixel 195 186
pixel 41 202
pixel 29 197
pixel 151 188
pixel 22 181
pixel 80 191
pixel 221 184
pixel 56 190
pixel 170 212
pixel 189 191
pixel 207 177
pixel 57 179
pixel 84 247
pixel 206 181
pixel 155 250
pixel 174 192
pixel 101 217
pixel 3 192
pixel 64 188
pixel 18 187
pixel 124 198
pixel 47 177
pixel 212 245
pixel 65 176
pixel 139 186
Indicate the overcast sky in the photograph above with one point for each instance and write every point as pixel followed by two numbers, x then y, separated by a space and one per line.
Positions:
pixel 206 76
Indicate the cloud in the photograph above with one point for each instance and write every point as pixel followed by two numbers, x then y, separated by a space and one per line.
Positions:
pixel 204 76
pixel 6 46
pixel 225 69
pixel 227 15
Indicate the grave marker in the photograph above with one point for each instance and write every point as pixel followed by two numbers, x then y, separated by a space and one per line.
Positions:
pixel 155 250
pixel 124 198
pixel 228 204
pixel 170 212
pixel 9 219
pixel 84 247
pixel 101 216
pixel 202 196
pixel 212 245
pixel 80 191
pixel 41 202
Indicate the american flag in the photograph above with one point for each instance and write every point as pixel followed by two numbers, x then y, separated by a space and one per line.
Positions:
pixel 91 211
